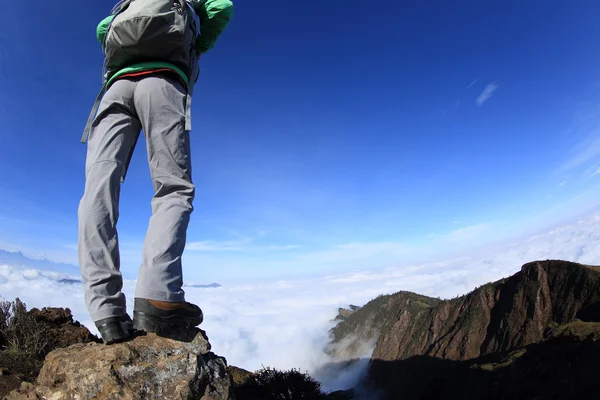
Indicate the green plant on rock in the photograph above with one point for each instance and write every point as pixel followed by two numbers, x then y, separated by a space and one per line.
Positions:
pixel 20 332
pixel 272 384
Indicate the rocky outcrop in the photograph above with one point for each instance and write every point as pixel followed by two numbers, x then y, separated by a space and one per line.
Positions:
pixel 60 327
pixel 562 366
pixel 497 317
pixel 239 376
pixel 147 367
pixel 344 313
pixel 357 334
pixel 29 336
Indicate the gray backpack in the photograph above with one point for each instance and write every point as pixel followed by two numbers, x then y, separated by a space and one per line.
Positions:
pixel 146 31
pixel 152 30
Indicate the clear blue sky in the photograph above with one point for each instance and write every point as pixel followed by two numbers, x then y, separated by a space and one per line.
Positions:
pixel 327 135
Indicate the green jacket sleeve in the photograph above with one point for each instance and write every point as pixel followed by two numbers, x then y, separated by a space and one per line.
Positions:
pixel 102 28
pixel 214 17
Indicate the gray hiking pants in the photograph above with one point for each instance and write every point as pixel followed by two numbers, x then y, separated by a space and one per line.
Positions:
pixel 156 104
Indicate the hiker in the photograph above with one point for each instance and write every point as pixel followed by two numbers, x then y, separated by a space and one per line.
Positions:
pixel 151 49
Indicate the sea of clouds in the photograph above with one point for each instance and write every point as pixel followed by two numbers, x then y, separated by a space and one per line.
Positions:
pixel 285 324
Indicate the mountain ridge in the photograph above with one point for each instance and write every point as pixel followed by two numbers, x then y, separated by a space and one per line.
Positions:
pixel 488 338
pixel 19 259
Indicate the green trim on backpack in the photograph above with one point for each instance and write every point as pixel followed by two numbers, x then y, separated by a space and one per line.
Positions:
pixel 147 66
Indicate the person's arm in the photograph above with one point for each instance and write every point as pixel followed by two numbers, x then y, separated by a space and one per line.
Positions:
pixel 214 17
pixel 102 28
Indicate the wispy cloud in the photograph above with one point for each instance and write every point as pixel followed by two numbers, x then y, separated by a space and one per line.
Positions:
pixel 562 183
pixel 579 196
pixel 585 151
pixel 585 133
pixel 247 243
pixel 596 173
pixel 467 233
pixel 211 245
pixel 352 254
pixel 284 247
pixel 472 83
pixel 488 91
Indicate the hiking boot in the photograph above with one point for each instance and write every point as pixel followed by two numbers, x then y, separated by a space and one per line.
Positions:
pixel 115 329
pixel 165 318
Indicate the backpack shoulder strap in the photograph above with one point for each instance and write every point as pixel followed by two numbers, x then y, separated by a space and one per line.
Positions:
pixel 88 125
pixel 120 6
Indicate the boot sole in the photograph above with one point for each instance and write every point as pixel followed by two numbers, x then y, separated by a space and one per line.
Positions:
pixel 114 335
pixel 163 325
pixel 118 339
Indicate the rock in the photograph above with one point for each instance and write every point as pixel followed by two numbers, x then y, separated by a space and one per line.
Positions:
pixel 8 383
pixel 38 333
pixel 62 330
pixel 25 392
pixel 344 313
pixel 147 367
pixel 26 386
pixel 341 395
pixel 239 376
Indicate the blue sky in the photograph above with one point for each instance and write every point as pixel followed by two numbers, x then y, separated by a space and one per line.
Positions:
pixel 327 136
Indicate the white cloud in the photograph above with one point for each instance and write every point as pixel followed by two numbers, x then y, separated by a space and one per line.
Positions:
pixel 467 233
pixel 211 245
pixel 241 244
pixel 587 150
pixel 585 134
pixel 579 196
pixel 285 323
pixel 596 173
pixel 562 183
pixel 472 83
pixel 488 91
pixel 354 254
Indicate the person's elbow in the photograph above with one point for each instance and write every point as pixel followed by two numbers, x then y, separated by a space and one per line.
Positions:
pixel 221 10
pixel 228 10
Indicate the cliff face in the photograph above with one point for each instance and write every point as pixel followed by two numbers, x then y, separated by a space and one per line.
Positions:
pixel 497 317
pixel 361 327
pixel 534 334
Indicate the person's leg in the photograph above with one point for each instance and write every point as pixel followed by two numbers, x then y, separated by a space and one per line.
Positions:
pixel 160 103
pixel 160 305
pixel 112 137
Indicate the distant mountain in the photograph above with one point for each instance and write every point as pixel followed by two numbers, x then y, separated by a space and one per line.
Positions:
pixel 212 285
pixel 18 259
pixel 534 332
pixel 70 281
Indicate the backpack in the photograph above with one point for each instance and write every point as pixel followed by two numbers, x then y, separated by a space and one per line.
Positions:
pixel 150 30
